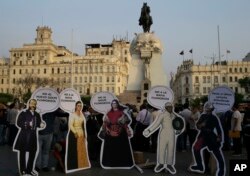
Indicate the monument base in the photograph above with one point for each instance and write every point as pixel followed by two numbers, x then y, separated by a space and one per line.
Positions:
pixel 130 97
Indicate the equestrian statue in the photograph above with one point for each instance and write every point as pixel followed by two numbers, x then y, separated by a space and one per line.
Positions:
pixel 145 19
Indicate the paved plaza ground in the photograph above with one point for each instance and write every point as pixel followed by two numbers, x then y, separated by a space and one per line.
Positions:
pixel 8 166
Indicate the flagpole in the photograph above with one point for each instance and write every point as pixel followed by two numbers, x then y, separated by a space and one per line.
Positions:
pixel 72 61
pixel 226 54
pixel 218 29
pixel 182 53
pixel 191 51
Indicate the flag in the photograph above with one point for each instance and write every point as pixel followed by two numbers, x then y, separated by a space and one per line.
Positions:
pixel 191 51
pixel 182 52
pixel 228 51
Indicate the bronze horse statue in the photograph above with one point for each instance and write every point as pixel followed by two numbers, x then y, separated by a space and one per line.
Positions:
pixel 145 19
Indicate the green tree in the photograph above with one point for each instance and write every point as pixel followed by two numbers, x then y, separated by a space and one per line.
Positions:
pixel 199 101
pixel 245 83
pixel 238 98
pixel 5 98
pixel 86 99
pixel 26 96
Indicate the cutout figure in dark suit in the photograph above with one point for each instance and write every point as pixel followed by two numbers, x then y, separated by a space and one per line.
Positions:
pixel 28 121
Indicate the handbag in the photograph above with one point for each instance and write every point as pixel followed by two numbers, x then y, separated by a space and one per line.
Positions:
pixel 234 134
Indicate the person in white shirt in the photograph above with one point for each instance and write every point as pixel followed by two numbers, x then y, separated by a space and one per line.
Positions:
pixel 193 118
pixel 144 118
pixel 182 139
pixel 236 126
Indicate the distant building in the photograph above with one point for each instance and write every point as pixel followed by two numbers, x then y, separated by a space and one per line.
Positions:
pixel 194 81
pixel 247 57
pixel 103 68
pixel 4 74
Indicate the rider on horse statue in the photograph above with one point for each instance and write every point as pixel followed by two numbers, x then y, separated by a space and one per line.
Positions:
pixel 145 19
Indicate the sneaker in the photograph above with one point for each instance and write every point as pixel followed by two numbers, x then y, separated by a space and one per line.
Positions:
pixel 197 169
pixel 159 167
pixel 171 169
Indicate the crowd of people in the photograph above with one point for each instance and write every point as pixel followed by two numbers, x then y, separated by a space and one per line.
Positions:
pixel 52 139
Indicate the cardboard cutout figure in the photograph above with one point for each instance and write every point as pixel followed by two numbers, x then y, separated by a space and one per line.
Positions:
pixel 116 151
pixel 28 122
pixel 170 125
pixel 76 157
pixel 221 99
pixel 207 124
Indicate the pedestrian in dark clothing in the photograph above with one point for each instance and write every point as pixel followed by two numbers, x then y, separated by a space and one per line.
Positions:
pixel 246 132
pixel 226 125
pixel 3 123
pixel 45 138
pixel 94 143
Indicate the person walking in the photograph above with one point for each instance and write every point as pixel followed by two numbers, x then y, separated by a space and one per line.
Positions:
pixel 236 127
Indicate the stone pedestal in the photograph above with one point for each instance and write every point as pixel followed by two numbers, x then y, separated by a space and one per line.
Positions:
pixel 146 66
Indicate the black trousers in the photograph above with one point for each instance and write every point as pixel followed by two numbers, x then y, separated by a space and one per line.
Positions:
pixel 247 145
pixel 237 146
pixel 31 158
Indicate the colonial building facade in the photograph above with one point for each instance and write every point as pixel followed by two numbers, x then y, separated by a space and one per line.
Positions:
pixel 104 67
pixel 194 81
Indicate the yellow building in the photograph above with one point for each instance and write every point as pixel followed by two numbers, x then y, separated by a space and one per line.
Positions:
pixel 4 75
pixel 103 68
pixel 194 81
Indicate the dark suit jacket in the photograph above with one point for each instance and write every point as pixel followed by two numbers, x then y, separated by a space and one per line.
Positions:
pixel 27 137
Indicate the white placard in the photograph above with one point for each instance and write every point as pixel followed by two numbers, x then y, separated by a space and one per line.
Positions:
pixel 101 101
pixel 47 99
pixel 159 95
pixel 68 99
pixel 222 98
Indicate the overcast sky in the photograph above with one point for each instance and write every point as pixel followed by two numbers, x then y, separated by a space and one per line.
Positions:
pixel 180 24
